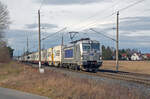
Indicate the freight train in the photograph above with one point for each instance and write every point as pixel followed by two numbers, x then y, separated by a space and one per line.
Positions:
pixel 83 54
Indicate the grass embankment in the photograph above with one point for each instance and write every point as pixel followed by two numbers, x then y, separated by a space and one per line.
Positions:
pixel 60 86
pixel 8 70
pixel 142 67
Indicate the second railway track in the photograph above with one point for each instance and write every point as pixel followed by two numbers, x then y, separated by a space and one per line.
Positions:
pixel 119 76
pixel 130 78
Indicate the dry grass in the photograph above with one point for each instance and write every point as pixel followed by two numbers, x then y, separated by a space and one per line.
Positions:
pixel 129 66
pixel 60 86
pixel 4 55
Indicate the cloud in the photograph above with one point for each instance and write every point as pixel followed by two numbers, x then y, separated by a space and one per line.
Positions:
pixel 49 26
pixel 129 25
pixel 18 39
pixel 135 24
pixel 125 41
pixel 67 2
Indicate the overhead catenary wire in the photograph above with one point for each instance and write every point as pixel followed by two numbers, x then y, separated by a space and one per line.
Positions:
pixel 131 5
pixel 42 1
pixel 99 36
pixel 57 39
pixel 102 34
pixel 35 45
pixel 54 33
pixel 95 14
pixel 120 10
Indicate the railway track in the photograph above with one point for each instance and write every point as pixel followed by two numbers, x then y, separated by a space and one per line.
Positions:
pixel 131 77
pixel 119 76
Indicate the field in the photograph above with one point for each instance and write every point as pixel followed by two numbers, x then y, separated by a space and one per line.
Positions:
pixel 57 85
pixel 142 67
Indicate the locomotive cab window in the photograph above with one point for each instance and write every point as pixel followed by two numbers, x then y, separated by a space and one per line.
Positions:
pixel 95 46
pixel 86 47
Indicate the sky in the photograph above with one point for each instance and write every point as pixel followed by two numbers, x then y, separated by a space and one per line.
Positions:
pixel 78 15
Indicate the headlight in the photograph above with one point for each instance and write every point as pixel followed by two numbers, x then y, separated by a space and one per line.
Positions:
pixel 100 58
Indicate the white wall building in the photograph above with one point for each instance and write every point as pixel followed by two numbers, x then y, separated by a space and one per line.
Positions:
pixel 136 57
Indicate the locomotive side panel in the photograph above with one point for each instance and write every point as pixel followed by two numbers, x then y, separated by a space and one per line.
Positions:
pixel 71 56
pixel 78 55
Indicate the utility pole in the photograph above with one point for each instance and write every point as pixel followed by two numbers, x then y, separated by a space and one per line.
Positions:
pixel 39 21
pixel 27 45
pixel 24 53
pixel 62 45
pixel 62 41
pixel 117 43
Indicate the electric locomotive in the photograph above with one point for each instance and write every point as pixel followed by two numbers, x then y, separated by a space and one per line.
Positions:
pixel 83 54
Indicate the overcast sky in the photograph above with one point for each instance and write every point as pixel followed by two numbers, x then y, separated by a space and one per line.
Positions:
pixel 78 15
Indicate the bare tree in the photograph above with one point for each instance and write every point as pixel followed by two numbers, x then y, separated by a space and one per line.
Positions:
pixel 4 22
pixel 4 19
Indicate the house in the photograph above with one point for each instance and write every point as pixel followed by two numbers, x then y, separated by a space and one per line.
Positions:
pixel 124 57
pixel 146 56
pixel 136 57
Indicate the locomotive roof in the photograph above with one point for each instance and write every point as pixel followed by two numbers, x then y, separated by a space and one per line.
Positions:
pixel 84 40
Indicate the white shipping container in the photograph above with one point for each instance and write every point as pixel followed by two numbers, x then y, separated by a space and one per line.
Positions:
pixel 44 55
pixel 57 53
pixel 54 55
pixel 49 55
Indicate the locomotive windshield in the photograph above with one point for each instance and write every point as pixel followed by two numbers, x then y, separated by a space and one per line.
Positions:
pixel 86 47
pixel 95 46
pixel 92 46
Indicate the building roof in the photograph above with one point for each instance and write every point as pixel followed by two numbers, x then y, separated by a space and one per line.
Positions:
pixel 124 55
pixel 148 55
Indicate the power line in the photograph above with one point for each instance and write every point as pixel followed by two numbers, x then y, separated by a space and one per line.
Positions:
pixel 101 37
pixel 122 9
pixel 90 24
pixel 84 33
pixel 51 35
pixel 131 5
pixel 42 1
pixel 54 33
pixel 56 40
pixel 97 13
pixel 102 34
pixel 35 45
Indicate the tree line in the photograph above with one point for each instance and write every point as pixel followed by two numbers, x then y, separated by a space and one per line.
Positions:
pixel 109 53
